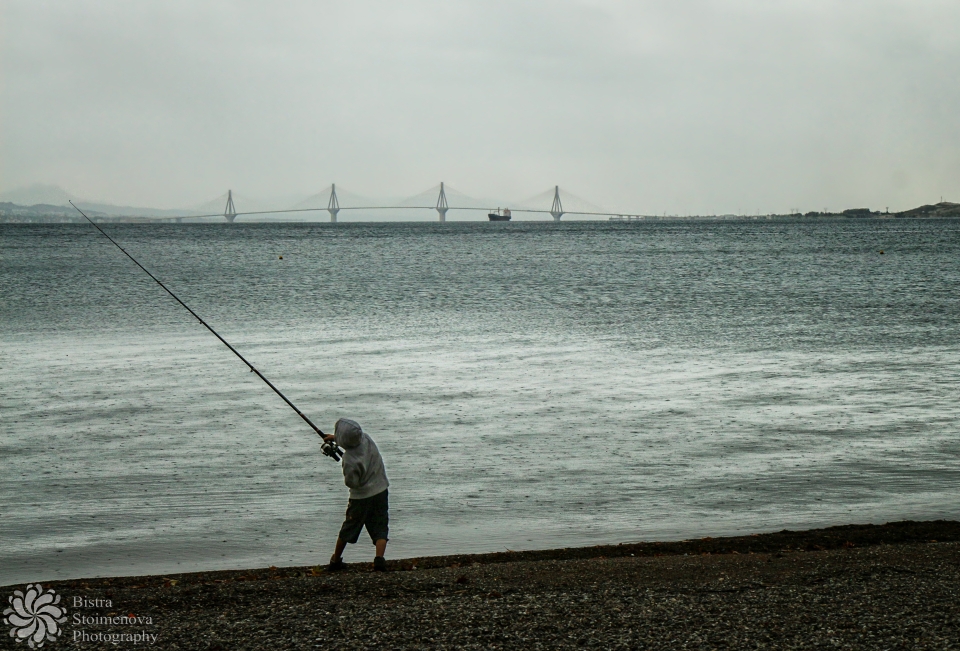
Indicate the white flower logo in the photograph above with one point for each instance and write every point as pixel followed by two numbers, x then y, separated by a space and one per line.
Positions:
pixel 35 616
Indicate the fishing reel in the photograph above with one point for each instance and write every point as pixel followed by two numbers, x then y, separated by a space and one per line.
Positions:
pixel 332 450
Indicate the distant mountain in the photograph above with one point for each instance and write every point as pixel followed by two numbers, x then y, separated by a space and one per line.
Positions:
pixel 9 208
pixel 942 209
pixel 38 193
pixel 42 198
pixel 132 211
pixel 41 213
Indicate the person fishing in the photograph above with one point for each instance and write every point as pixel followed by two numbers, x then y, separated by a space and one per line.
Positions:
pixel 366 477
pixel 363 470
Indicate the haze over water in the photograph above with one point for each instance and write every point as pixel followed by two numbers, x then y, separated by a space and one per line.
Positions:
pixel 531 385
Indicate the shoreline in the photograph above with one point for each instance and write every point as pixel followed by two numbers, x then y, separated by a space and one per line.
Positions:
pixel 823 539
pixel 895 585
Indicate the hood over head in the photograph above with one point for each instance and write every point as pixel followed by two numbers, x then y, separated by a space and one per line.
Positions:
pixel 347 433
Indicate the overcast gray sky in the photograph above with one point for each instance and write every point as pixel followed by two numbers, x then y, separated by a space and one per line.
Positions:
pixel 683 106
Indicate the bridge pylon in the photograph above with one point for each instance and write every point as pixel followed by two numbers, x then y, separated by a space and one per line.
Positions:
pixel 557 208
pixel 442 206
pixel 333 205
pixel 230 212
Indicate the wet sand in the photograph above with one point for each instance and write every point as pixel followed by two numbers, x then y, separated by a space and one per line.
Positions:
pixel 893 586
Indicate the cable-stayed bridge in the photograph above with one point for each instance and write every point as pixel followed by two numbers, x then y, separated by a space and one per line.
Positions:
pixel 441 199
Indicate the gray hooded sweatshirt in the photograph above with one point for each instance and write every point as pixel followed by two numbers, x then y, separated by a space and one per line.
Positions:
pixel 363 470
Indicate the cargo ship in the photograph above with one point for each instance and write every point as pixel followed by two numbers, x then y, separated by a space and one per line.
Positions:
pixel 500 215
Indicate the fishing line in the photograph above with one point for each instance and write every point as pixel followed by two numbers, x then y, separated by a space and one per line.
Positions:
pixel 329 449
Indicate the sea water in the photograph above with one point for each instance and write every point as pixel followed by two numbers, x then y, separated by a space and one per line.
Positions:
pixel 531 385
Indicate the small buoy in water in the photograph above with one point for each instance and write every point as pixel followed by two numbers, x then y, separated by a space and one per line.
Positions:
pixel 281 257
pixel 881 253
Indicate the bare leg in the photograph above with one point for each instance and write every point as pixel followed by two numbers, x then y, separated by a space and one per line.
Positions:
pixel 381 546
pixel 341 545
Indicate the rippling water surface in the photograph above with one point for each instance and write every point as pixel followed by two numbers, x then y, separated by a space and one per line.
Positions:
pixel 530 385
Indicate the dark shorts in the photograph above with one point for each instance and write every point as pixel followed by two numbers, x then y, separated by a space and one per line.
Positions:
pixel 370 512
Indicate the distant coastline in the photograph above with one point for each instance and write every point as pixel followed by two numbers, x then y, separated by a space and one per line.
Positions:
pixel 43 213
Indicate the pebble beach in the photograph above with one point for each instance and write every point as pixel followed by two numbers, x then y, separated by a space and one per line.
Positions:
pixel 893 586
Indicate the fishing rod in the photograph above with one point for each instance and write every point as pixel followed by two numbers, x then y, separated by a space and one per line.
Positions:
pixel 329 448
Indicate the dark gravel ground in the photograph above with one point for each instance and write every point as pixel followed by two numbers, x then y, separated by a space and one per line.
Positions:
pixel 895 586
